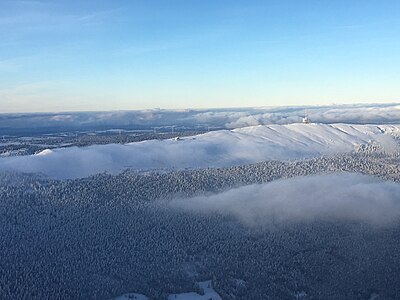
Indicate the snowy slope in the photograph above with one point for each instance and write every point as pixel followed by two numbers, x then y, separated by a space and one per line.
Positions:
pixel 213 149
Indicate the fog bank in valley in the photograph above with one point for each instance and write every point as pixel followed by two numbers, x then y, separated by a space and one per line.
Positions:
pixel 334 197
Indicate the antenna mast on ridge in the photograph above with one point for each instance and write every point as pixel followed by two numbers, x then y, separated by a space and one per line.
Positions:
pixel 305 119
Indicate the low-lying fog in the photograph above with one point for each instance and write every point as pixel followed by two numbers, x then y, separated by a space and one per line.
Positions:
pixel 344 196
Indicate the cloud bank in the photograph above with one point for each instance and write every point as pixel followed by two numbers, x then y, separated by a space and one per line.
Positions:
pixel 194 119
pixel 335 197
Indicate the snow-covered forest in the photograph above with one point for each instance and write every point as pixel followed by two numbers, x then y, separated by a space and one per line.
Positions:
pixel 106 235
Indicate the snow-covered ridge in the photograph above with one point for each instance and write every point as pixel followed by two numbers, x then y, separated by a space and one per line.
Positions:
pixel 213 149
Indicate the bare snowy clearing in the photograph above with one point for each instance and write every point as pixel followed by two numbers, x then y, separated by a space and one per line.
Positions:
pixel 205 286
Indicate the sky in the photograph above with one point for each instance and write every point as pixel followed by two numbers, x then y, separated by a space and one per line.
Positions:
pixel 64 55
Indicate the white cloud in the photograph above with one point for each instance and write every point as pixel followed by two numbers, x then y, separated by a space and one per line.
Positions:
pixel 220 118
pixel 335 197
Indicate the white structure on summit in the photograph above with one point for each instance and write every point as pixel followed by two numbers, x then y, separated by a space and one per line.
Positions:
pixel 305 119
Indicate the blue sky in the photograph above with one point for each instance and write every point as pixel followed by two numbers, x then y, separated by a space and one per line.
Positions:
pixel 111 55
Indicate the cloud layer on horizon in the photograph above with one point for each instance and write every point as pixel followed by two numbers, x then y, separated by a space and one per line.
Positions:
pixel 192 118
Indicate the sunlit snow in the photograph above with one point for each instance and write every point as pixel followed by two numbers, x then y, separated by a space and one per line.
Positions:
pixel 214 149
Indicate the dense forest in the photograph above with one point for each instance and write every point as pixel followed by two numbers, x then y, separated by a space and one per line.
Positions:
pixel 102 236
